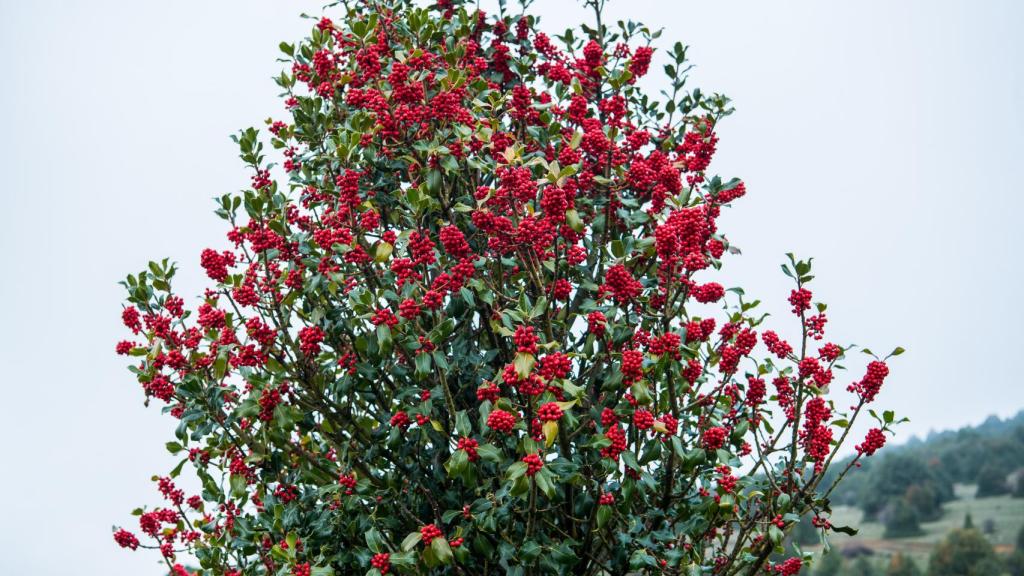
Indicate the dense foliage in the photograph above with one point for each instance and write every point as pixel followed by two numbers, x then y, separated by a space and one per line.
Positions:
pixel 964 553
pixel 470 326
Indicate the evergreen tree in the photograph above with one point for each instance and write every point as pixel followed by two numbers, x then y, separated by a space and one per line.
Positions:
pixel 902 520
pixel 964 553
pixel 900 565
pixel 991 481
pixel 1014 563
pixel 860 567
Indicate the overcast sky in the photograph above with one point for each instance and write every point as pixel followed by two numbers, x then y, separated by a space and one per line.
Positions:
pixel 883 138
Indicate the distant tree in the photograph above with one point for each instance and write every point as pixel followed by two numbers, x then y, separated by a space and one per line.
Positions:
pixel 893 479
pixel 1018 486
pixel 900 565
pixel 1014 563
pixel 1020 540
pixel 968 522
pixel 988 526
pixel 991 481
pixel 860 567
pixel 952 456
pixel 901 520
pixel 831 564
pixel 964 553
pixel 941 482
pixel 923 499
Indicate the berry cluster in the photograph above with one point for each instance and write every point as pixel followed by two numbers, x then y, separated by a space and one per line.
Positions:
pixel 550 412
pixel 429 532
pixel 382 562
pixel 533 464
pixel 501 421
pixel 874 440
pixel 469 445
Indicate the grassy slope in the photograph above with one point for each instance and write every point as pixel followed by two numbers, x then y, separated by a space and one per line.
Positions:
pixel 1006 512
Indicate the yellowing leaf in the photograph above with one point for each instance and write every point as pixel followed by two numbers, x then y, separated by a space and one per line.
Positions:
pixel 523 364
pixel 384 250
pixel 550 432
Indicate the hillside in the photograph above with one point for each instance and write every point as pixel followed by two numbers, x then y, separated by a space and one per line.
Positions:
pixel 1005 513
pixel 989 454
pixel 910 497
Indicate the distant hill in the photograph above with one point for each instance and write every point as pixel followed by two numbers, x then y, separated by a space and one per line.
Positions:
pixel 992 426
pixel 913 497
pixel 922 472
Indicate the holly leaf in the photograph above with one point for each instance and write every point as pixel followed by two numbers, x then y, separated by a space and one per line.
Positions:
pixel 411 540
pixel 550 432
pixel 524 364
pixel 442 550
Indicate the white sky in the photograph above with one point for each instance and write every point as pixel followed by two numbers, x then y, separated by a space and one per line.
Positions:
pixel 884 138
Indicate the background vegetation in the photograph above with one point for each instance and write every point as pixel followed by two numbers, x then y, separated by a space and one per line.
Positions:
pixel 949 504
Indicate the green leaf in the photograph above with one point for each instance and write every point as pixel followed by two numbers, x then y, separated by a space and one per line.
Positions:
pixel 489 452
pixel 384 338
pixel 238 485
pixel 422 365
pixel 520 486
pixel 604 513
pixel 539 307
pixel 696 456
pixel 641 558
pixel 442 550
pixel 629 459
pixel 220 366
pixel 543 480
pixel 516 470
pixel 462 424
pixel 411 540
pixel 403 559
pixel 456 465
pixel 177 469
pixel 434 182
pixel 641 393
pixel 374 541
pixel 529 551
